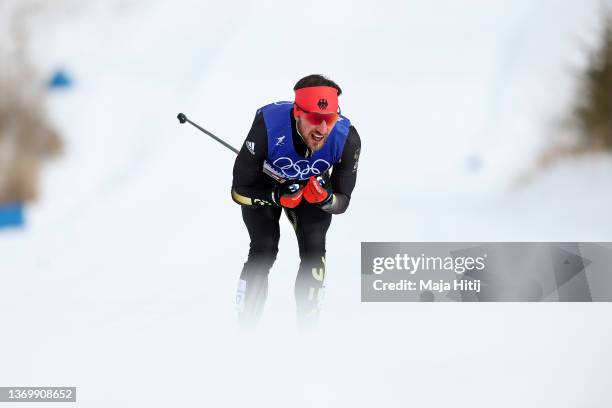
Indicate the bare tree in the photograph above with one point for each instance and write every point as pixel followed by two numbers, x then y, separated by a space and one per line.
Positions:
pixel 27 137
pixel 592 112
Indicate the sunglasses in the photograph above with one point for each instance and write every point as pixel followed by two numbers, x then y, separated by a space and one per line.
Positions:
pixel 316 118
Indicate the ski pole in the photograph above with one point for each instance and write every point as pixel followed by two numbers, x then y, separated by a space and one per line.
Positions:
pixel 182 118
pixel 267 169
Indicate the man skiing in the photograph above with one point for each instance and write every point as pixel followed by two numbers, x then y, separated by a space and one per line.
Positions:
pixel 285 163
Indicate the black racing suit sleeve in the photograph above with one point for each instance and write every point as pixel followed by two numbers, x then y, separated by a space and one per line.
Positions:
pixel 344 174
pixel 250 186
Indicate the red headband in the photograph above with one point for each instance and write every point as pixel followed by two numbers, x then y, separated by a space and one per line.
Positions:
pixel 321 99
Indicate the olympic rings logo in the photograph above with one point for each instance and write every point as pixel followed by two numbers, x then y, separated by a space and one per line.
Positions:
pixel 301 169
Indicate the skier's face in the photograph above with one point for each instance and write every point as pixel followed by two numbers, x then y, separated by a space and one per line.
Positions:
pixel 314 135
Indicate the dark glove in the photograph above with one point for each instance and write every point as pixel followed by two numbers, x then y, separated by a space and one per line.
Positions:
pixel 288 195
pixel 318 191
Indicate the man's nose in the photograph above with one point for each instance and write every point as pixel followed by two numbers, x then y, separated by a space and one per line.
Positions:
pixel 323 127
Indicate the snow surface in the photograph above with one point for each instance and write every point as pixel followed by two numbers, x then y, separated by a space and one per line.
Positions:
pixel 123 281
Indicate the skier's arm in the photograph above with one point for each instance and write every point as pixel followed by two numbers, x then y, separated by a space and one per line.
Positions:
pixel 250 186
pixel 344 174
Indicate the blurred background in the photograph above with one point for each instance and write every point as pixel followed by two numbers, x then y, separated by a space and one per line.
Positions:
pixel 120 247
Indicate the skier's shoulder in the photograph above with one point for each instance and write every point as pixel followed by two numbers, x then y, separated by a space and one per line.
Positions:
pixel 353 140
pixel 258 132
pixel 255 146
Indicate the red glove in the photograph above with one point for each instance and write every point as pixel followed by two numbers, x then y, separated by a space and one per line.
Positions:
pixel 289 196
pixel 316 191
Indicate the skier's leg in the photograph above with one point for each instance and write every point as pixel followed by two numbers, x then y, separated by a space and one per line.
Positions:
pixel 262 224
pixel 311 225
